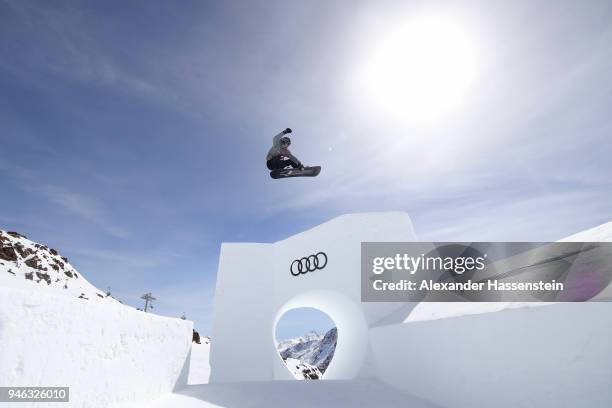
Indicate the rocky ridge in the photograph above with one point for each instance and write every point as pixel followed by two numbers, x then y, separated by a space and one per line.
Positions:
pixel 24 263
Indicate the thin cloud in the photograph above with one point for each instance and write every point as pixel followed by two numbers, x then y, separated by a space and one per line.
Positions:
pixel 83 206
pixel 80 205
pixel 66 47
pixel 545 217
pixel 126 259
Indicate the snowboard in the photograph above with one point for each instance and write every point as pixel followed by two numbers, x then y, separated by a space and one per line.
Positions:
pixel 305 172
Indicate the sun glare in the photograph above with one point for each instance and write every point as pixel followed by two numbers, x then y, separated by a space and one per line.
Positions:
pixel 422 70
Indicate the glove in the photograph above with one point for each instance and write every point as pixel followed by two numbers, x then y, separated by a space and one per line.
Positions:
pixel 288 130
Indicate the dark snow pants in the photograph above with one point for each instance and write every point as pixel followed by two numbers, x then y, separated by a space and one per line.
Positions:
pixel 277 163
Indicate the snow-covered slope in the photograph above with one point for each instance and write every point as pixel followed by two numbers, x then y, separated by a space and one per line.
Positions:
pixel 301 370
pixel 601 233
pixel 57 329
pixel 300 348
pixel 299 343
pixel 106 352
pixel 311 350
pixel 28 265
pixel 440 310
pixel 326 350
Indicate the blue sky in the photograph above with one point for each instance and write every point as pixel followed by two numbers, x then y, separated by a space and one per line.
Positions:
pixel 133 134
pixel 297 322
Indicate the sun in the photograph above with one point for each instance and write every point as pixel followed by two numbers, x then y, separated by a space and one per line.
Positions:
pixel 422 70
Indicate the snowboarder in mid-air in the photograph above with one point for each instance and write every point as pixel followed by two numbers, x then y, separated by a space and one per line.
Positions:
pixel 284 164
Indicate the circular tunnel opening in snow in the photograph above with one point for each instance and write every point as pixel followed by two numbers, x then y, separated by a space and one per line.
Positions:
pixel 306 340
pixel 352 332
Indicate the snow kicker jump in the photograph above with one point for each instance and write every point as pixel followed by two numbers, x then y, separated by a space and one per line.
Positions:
pixel 319 268
pixel 414 347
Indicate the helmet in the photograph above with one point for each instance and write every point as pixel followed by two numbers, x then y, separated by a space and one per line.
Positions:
pixel 285 140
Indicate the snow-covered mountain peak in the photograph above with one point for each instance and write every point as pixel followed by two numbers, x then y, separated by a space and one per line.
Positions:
pixel 27 264
pixel 312 351
pixel 311 336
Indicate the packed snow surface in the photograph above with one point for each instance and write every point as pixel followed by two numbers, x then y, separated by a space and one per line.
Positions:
pixel 199 367
pixel 105 352
pixel 298 394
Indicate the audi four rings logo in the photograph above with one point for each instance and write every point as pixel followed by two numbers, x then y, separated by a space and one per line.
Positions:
pixel 309 263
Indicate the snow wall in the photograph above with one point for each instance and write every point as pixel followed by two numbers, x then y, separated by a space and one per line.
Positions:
pixel 556 355
pixel 545 355
pixel 105 353
pixel 255 288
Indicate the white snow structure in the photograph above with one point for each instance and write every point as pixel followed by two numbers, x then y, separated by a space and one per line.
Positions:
pixel 107 353
pixel 491 354
pixel 255 288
